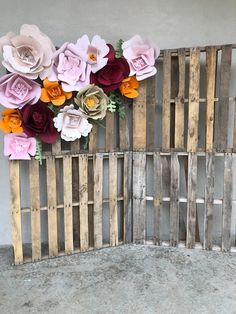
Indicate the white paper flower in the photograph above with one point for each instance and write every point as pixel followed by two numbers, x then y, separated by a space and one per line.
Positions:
pixel 72 124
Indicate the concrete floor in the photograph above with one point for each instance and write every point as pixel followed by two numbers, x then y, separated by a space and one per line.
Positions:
pixel 127 279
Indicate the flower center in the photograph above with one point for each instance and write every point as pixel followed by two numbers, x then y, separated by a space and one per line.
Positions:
pixel 126 85
pixel 139 63
pixel 92 54
pixel 71 121
pixel 54 92
pixel 92 57
pixel 19 146
pixel 14 121
pixel 20 88
pixel 26 55
pixel 37 117
pixel 90 102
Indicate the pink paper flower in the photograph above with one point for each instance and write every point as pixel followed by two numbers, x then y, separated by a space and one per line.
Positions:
pixel 71 68
pixel 17 91
pixel 141 55
pixel 96 51
pixel 19 146
pixel 29 54
pixel 72 124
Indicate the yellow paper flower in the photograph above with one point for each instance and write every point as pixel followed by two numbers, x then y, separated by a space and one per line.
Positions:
pixel 128 87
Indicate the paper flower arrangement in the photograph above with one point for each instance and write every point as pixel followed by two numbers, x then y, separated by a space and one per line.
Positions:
pixel 50 93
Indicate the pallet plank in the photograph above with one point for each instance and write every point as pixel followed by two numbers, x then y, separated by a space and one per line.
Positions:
pixel 150 114
pixel 227 203
pixel 222 108
pixel 191 205
pixel 139 118
pixel 193 113
pixel 179 102
pixel 93 139
pixel 83 202
pixel 127 201
pixel 98 190
pixel 139 197
pixel 157 198
pixel 166 101
pixel 110 121
pixel 209 198
pixel 35 209
pixel 14 168
pixel 174 200
pixel 210 105
pixel 124 136
pixel 52 207
pixel 113 209
pixel 68 212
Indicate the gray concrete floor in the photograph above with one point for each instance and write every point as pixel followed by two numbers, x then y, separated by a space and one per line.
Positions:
pixel 127 279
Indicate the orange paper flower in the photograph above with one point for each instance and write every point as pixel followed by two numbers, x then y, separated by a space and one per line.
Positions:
pixel 128 87
pixel 11 121
pixel 52 92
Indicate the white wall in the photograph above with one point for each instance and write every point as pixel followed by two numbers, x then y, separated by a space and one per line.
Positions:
pixel 170 23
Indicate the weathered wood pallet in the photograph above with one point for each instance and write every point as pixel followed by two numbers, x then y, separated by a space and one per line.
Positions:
pixel 101 195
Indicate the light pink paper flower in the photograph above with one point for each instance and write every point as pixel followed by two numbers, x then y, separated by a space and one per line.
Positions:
pixel 70 67
pixel 141 55
pixel 29 54
pixel 96 51
pixel 71 123
pixel 19 146
pixel 17 91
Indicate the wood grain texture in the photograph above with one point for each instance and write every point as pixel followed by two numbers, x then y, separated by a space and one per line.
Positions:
pixel 174 200
pixel 75 146
pixel 193 113
pixel 222 108
pixel 124 126
pixel 56 147
pixel 166 101
pixel 113 209
pixel 93 139
pixel 14 168
pixel 98 190
pixel 191 205
pixel 52 207
pixel 150 112
pixel 179 103
pixel 209 197
pixel 83 202
pixel 35 209
pixel 139 197
pixel 210 105
pixel 68 211
pixel 157 198
pixel 110 131
pixel 227 203
pixel 139 118
pixel 127 195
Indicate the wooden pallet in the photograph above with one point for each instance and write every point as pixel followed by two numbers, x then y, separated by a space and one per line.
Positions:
pixel 180 119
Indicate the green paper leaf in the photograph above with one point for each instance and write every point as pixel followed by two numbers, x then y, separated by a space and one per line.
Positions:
pixel 39 152
pixel 119 50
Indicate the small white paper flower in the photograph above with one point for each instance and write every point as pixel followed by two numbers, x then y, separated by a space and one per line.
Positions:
pixel 72 124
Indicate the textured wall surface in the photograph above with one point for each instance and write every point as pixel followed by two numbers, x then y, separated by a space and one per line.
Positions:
pixel 169 23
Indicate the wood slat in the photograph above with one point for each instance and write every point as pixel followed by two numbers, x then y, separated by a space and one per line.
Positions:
pixel 234 135
pixel 75 146
pixel 150 114
pixel 139 118
pixel 83 202
pixel 210 105
pixel 124 136
pixel 193 113
pixel 110 131
pixel 174 200
pixel 14 168
pixel 179 102
pixel 56 147
pixel 191 205
pixel 52 207
pixel 68 211
pixel 127 201
pixel 93 139
pixel 209 198
pixel 227 203
pixel 166 101
pixel 139 197
pixel 222 108
pixel 35 209
pixel 157 198
pixel 113 209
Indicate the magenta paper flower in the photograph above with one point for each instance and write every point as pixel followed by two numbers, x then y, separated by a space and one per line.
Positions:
pixel 71 68
pixel 17 91
pixel 141 55
pixel 19 146
pixel 72 123
pixel 96 51
pixel 30 53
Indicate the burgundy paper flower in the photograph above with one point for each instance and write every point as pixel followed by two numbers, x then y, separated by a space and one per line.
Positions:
pixel 38 122
pixel 110 77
